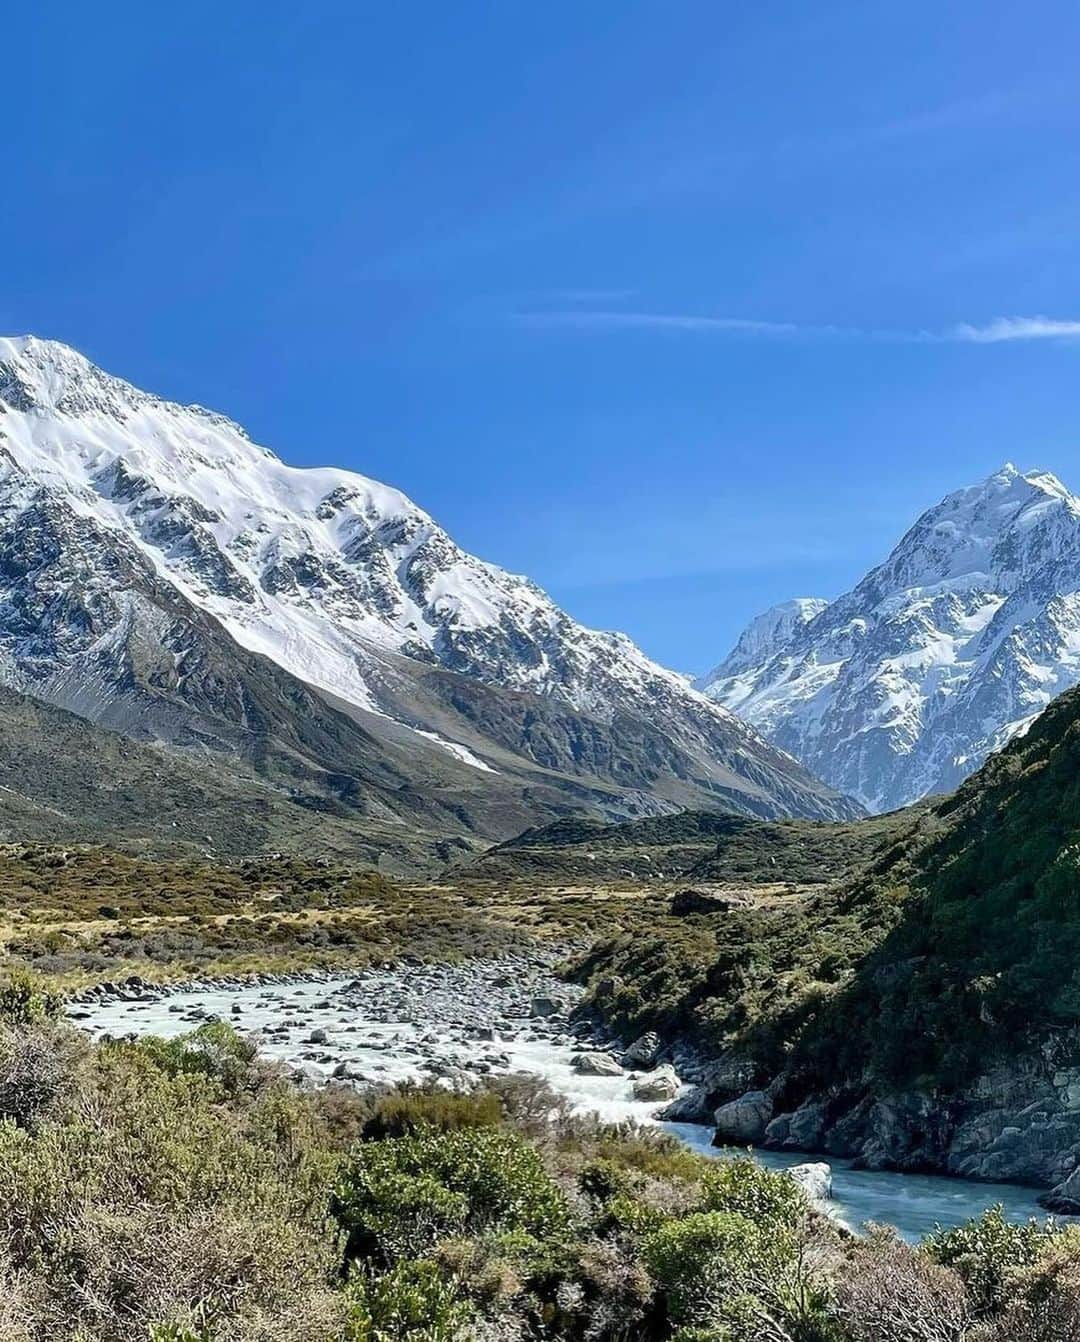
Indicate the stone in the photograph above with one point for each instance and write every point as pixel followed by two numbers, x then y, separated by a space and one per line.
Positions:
pixel 690 1107
pixel 545 1006
pixel 815 1179
pixel 805 1129
pixel 317 1037
pixel 1065 1198
pixel 596 1064
pixel 743 1120
pixel 661 1084
pixel 698 899
pixel 643 1052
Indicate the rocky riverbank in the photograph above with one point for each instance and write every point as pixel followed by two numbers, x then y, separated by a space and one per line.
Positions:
pixel 404 1021
pixel 1019 1124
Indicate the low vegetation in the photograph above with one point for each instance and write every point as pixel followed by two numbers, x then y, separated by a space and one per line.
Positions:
pixel 187 1192
pixel 693 846
pixel 956 947
pixel 87 914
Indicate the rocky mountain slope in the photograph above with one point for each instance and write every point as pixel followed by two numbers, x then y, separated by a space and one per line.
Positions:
pixel 64 780
pixel 923 1014
pixel 902 686
pixel 163 576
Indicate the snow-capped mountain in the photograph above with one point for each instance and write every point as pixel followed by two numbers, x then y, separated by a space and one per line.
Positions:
pixel 938 656
pixel 136 535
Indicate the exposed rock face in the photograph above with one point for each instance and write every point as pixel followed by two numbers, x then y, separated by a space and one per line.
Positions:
pixel 643 1052
pixel 1013 1124
pixel 1065 1198
pixel 693 1106
pixel 743 1120
pixel 662 1084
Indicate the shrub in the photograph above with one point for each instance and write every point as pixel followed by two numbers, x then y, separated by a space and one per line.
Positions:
pixel 411 1302
pixel 1044 1304
pixel 988 1252
pixel 23 999
pixel 40 1064
pixel 398 1198
pixel 410 1109
pixel 889 1292
pixel 769 1198
pixel 720 1269
pixel 148 1199
pixel 214 1050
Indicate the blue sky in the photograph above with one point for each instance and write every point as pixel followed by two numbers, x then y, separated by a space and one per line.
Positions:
pixel 681 308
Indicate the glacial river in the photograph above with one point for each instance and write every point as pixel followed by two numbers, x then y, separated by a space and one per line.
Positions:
pixel 394 1025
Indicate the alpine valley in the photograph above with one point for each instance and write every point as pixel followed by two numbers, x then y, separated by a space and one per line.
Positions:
pixel 324 645
pixel 901 687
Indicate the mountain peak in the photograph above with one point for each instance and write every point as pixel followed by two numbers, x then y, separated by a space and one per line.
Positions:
pixel 345 584
pixel 938 655
pixel 767 633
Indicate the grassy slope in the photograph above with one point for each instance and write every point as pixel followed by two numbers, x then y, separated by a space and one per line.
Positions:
pixel 84 914
pixel 692 845
pixel 64 780
pixel 958 945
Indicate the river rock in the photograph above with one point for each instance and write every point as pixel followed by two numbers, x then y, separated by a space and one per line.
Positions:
pixel 545 1006
pixel 691 1107
pixel 801 1130
pixel 662 1084
pixel 643 1052
pixel 743 1120
pixel 1065 1198
pixel 815 1179
pixel 596 1064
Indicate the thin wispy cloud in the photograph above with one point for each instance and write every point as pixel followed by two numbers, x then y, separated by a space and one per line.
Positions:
pixel 673 321
pixel 1015 328
pixel 996 331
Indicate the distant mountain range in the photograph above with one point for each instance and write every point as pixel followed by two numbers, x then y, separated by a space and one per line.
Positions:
pixel 163 577
pixel 901 687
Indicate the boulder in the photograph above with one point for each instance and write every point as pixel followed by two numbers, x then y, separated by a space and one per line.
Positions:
pixel 700 899
pixel 691 1107
pixel 743 1120
pixel 801 1130
pixel 596 1064
pixel 1065 1198
pixel 643 1052
pixel 662 1084
pixel 545 1006
pixel 815 1179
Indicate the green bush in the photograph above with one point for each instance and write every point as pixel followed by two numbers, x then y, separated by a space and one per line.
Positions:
pixel 23 999
pixel 769 1198
pixel 398 1198
pixel 989 1252
pixel 411 1302
pixel 410 1109
pixel 214 1050
pixel 719 1269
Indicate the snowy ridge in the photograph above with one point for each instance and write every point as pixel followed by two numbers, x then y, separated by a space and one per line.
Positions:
pixel 940 655
pixel 324 571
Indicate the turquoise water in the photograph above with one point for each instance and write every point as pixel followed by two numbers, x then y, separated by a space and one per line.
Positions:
pixel 913 1203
